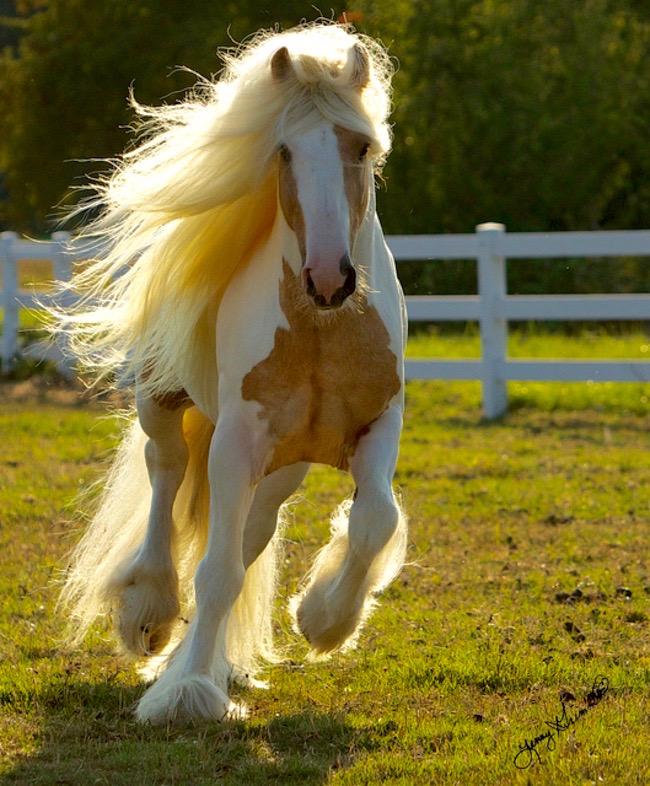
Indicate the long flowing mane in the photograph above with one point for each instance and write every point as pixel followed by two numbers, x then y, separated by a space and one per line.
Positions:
pixel 188 205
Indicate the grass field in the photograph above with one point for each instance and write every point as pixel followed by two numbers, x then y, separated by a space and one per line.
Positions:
pixel 513 649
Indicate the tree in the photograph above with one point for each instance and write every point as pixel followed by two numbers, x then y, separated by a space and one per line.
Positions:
pixel 65 93
pixel 533 114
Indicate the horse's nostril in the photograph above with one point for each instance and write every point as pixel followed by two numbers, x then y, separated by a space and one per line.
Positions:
pixel 350 281
pixel 310 288
pixel 347 269
pixel 343 292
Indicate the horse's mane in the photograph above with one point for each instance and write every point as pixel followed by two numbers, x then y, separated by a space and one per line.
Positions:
pixel 185 208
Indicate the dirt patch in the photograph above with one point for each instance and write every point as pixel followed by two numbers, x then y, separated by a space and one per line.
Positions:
pixel 54 389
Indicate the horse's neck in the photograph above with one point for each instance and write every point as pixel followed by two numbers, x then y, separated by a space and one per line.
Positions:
pixel 384 289
pixel 370 251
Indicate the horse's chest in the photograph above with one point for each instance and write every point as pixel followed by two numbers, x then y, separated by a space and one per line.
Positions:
pixel 322 385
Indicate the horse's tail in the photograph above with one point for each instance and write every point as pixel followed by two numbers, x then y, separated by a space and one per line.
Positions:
pixel 115 530
pixel 118 527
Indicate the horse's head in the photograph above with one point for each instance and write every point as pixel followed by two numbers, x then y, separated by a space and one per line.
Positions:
pixel 325 178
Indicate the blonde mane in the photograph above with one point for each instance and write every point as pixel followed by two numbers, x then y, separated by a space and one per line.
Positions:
pixel 185 208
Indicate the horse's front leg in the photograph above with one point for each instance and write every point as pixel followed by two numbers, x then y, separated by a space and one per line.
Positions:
pixel 194 685
pixel 271 492
pixel 145 584
pixel 364 556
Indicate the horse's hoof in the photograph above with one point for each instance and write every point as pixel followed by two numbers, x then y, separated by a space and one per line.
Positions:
pixel 193 698
pixel 145 620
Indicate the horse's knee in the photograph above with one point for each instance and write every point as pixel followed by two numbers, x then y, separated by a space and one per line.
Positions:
pixel 363 556
pixel 167 460
pixel 216 591
pixel 374 519
pixel 166 450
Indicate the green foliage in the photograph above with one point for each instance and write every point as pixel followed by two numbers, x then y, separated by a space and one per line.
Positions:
pixel 64 97
pixel 533 114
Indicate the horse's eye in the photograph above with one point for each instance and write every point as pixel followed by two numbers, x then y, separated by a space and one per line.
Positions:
pixel 285 154
pixel 364 151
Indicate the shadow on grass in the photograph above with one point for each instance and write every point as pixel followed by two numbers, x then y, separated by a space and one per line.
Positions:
pixel 87 734
pixel 30 382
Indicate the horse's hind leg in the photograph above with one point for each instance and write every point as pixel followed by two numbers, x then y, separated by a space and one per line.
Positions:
pixel 145 584
pixel 363 557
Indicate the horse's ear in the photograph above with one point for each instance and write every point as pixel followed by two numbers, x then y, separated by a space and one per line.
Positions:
pixel 281 64
pixel 360 67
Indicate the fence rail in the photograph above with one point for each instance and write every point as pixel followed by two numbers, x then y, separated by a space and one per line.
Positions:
pixel 491 246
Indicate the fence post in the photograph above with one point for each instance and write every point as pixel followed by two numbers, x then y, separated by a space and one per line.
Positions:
pixel 62 263
pixel 9 300
pixel 60 258
pixel 492 289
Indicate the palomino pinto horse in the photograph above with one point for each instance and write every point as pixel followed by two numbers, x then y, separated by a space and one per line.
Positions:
pixel 259 311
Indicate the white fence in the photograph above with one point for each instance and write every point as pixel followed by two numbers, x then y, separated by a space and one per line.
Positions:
pixel 490 246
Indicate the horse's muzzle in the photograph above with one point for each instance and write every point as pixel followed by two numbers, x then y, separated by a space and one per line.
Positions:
pixel 329 288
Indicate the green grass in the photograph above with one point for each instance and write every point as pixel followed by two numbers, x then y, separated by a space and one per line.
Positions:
pixel 528 578
pixel 535 341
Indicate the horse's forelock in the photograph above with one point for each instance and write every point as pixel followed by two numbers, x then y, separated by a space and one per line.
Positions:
pixel 322 68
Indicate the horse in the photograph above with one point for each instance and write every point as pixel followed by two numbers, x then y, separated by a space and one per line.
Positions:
pixel 246 290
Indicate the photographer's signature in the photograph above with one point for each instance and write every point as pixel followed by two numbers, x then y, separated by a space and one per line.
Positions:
pixel 528 752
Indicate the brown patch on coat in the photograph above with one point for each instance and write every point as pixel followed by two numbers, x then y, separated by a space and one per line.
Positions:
pixel 353 148
pixel 170 400
pixel 289 202
pixel 324 382
pixel 173 400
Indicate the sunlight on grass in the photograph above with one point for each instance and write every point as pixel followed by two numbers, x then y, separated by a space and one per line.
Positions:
pixel 533 342
pixel 526 582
